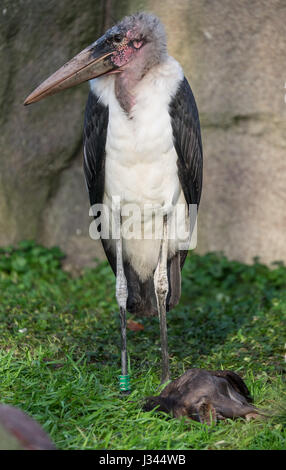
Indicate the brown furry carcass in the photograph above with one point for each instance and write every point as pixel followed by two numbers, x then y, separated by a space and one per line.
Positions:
pixel 205 396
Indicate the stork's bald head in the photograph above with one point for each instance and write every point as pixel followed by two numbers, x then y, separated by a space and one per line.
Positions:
pixel 139 37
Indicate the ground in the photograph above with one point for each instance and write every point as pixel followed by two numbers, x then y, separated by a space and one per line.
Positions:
pixel 60 351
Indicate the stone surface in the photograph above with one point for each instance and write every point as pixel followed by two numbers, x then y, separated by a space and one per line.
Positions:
pixel 66 220
pixel 38 142
pixel 233 54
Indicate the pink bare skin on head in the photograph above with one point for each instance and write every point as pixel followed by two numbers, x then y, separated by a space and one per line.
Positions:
pixel 123 55
pixel 130 34
pixel 125 51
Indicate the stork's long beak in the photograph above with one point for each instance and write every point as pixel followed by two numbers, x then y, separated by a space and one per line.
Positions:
pixel 89 63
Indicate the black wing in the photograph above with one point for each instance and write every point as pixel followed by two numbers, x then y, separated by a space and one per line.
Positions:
pixel 94 140
pixel 188 144
pixel 187 141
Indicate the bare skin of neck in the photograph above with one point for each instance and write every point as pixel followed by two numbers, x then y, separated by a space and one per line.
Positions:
pixel 133 72
pixel 125 83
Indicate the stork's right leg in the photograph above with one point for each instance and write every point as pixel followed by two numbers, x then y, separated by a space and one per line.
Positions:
pixel 161 289
pixel 121 297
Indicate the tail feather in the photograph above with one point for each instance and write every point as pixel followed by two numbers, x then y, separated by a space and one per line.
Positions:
pixel 141 294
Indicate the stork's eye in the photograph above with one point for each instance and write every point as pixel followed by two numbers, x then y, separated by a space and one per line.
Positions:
pixel 117 38
pixel 137 43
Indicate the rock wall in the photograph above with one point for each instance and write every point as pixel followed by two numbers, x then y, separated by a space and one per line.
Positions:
pixel 233 54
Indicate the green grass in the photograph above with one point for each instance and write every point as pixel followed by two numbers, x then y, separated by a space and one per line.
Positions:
pixel 60 351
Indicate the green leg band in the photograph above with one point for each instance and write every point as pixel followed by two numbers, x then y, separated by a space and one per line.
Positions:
pixel 124 383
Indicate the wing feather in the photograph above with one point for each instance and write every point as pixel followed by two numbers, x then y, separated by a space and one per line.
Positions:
pixel 187 141
pixel 188 144
pixel 94 140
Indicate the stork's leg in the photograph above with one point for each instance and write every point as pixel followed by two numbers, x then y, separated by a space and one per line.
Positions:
pixel 121 297
pixel 161 289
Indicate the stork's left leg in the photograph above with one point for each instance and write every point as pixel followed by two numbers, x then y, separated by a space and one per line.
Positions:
pixel 161 290
pixel 121 297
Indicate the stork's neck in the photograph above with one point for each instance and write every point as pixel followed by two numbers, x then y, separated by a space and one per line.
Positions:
pixel 125 83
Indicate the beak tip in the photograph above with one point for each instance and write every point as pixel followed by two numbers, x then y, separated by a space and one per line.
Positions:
pixel 27 101
pixel 30 99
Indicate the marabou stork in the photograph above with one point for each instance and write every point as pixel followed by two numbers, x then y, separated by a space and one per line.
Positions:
pixel 142 145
